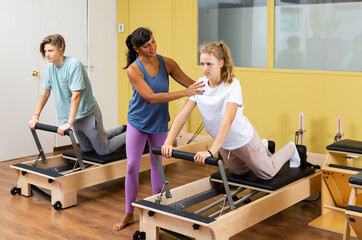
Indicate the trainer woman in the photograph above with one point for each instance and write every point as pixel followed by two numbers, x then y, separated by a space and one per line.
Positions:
pixel 148 115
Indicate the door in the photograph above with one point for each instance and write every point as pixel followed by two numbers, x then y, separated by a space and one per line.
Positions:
pixel 19 91
pixel 25 24
pixel 102 57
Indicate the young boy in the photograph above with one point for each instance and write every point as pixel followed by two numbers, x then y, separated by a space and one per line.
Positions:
pixel 74 100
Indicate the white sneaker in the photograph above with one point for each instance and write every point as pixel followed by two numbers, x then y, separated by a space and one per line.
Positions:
pixel 295 160
pixel 266 144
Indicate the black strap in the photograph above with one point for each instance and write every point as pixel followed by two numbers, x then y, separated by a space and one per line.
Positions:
pixel 211 155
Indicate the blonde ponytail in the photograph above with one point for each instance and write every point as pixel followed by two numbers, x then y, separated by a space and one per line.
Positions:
pixel 221 51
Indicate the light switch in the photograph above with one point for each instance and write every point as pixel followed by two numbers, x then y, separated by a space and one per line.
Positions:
pixel 121 27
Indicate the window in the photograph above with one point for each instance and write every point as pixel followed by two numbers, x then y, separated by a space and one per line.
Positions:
pixel 318 36
pixel 242 24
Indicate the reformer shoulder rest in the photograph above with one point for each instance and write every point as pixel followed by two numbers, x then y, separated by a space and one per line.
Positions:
pixel 92 156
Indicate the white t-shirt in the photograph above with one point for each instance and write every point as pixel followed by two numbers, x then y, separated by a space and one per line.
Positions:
pixel 212 105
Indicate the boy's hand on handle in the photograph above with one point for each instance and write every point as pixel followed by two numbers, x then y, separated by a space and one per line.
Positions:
pixel 33 122
pixel 166 151
pixel 201 156
pixel 63 127
pixel 194 89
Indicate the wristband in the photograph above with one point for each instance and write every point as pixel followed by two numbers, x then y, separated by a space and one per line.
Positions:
pixel 210 153
pixel 70 123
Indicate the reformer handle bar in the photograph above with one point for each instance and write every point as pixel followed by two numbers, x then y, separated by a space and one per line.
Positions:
pixel 54 129
pixel 210 161
pixel 50 128
pixel 187 156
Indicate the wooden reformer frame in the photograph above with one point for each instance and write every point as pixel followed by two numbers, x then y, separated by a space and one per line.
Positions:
pixel 353 211
pixel 343 160
pixel 167 213
pixel 64 176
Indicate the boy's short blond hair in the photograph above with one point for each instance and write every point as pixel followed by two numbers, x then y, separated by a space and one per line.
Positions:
pixel 55 39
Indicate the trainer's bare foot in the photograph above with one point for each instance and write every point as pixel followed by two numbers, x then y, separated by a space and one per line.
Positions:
pixel 127 219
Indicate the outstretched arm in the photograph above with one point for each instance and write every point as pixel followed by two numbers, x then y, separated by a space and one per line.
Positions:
pixel 176 73
pixel 176 127
pixel 224 129
pixel 44 96
pixel 136 78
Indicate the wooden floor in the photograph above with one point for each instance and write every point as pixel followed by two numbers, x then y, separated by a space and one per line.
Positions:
pixel 102 205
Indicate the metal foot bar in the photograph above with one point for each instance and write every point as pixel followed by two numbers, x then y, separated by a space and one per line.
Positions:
pixel 41 151
pixel 241 200
pixel 190 157
pixel 163 177
pixel 218 201
pixel 226 185
pixel 68 132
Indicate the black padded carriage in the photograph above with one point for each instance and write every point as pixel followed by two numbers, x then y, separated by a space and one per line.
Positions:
pixel 103 159
pixel 285 176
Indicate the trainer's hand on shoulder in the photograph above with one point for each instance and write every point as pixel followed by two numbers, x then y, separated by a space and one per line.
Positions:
pixel 195 89
pixel 166 151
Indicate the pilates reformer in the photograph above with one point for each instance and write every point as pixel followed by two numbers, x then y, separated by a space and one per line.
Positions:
pixel 64 174
pixel 240 201
pixel 343 162
pixel 354 211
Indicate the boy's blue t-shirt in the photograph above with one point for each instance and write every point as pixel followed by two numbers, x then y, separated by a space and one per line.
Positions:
pixel 63 80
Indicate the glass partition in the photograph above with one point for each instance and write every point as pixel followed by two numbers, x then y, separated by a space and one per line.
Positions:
pixel 242 24
pixel 318 35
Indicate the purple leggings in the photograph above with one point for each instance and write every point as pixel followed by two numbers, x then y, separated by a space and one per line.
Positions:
pixel 135 142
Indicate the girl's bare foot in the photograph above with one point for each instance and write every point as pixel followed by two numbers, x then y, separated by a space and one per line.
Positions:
pixel 127 219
